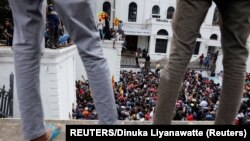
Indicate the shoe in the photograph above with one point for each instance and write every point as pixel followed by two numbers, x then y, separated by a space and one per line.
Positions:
pixel 53 47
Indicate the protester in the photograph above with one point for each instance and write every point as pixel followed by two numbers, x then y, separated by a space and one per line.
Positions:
pixel 136 97
pixel 53 27
pixel 201 60
pixel 100 27
pixel 157 68
pixel 8 32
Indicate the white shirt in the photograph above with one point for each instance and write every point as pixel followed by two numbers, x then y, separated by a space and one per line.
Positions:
pixel 100 25
pixel 203 103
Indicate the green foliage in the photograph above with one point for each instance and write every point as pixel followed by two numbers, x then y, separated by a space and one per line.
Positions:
pixel 5 11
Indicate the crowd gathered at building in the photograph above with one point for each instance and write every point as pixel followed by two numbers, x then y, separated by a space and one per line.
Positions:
pixel 136 92
pixel 136 97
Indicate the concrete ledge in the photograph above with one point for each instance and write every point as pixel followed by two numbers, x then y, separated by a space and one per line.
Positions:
pixel 6 51
pixel 50 56
pixel 53 53
pixel 10 129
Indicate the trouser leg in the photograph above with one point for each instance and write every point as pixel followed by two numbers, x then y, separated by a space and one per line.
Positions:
pixel 187 21
pixel 56 36
pixel 235 29
pixel 28 35
pixel 51 36
pixel 82 29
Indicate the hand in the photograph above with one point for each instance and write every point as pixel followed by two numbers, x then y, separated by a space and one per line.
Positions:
pixel 9 35
pixel 5 35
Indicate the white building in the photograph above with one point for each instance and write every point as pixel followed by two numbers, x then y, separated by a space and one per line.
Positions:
pixel 58 72
pixel 148 25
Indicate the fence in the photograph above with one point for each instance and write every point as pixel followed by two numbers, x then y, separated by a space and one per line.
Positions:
pixel 6 100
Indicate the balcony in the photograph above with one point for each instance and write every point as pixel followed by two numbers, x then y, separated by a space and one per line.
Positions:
pixel 136 29
pixel 144 29
pixel 135 25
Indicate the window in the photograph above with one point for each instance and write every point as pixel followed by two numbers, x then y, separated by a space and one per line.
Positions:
pixel 161 44
pixel 216 17
pixel 156 11
pixel 197 47
pixel 162 32
pixel 170 12
pixel 132 12
pixel 107 8
pixel 214 37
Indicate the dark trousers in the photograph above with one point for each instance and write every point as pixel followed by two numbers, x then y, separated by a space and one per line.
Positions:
pixel 9 41
pixel 53 36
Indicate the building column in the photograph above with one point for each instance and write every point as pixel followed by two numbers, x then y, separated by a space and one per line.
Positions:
pixel 169 46
pixel 151 49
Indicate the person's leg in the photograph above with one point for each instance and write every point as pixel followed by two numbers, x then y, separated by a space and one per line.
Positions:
pixel 10 41
pixel 51 36
pixel 235 28
pixel 56 37
pixel 82 29
pixel 187 21
pixel 28 35
pixel 101 33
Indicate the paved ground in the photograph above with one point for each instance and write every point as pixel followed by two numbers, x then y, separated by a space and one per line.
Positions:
pixel 10 128
pixel 128 61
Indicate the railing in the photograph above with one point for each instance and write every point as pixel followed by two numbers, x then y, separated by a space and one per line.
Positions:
pixel 6 100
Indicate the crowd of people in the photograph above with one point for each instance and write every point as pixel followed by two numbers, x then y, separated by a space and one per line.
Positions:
pixel 198 99
pixel 55 37
pixel 136 97
pixel 116 33
pixel 206 61
pixel 55 34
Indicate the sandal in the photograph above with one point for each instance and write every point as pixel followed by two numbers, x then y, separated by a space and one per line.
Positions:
pixel 54 132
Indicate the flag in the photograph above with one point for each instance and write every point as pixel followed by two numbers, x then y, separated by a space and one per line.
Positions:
pixel 102 15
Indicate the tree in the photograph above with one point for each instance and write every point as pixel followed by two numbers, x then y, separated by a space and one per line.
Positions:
pixel 5 11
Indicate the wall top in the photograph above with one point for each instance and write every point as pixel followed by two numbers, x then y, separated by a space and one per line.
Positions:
pixel 7 51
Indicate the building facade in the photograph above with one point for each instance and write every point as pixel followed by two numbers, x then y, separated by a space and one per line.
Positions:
pixel 58 72
pixel 148 25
